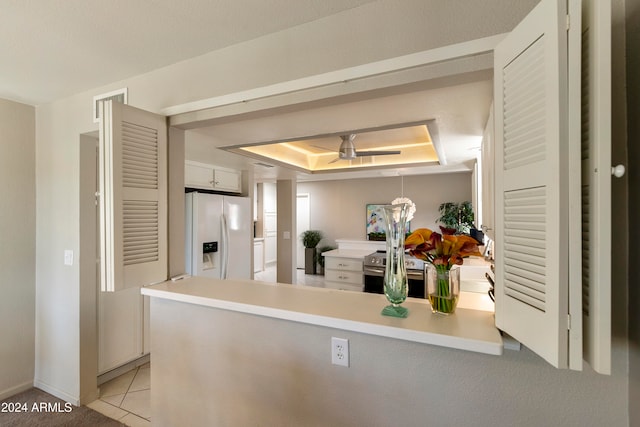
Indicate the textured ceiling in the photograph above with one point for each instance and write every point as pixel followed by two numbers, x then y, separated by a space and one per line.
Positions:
pixel 52 49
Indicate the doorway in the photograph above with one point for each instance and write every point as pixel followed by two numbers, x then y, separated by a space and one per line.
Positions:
pixel 121 318
pixel 302 225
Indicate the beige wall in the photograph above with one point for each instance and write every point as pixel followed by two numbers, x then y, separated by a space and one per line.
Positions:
pixel 338 208
pixel 286 226
pixel 17 246
pixel 241 370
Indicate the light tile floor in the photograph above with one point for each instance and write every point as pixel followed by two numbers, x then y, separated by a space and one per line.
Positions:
pixel 127 398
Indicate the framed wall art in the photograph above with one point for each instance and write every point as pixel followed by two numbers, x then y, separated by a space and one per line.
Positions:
pixel 375 222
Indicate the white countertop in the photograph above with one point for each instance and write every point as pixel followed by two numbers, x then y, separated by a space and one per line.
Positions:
pixel 347 253
pixel 365 245
pixel 467 329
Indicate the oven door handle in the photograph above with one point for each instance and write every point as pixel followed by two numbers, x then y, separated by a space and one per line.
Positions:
pixel 415 274
pixel 373 271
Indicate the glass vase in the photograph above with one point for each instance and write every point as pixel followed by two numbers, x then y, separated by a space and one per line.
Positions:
pixel 395 274
pixel 443 288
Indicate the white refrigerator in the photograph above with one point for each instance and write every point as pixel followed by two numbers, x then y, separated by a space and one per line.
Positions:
pixel 218 236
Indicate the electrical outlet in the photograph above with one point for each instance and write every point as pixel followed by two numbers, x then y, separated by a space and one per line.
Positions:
pixel 340 351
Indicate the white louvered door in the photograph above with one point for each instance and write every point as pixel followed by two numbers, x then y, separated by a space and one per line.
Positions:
pixel 596 183
pixel 533 144
pixel 133 197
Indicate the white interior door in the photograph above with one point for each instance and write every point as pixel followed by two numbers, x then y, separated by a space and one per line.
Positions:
pixel 133 197
pixel 596 183
pixel 270 217
pixel 120 315
pixel 302 225
pixel 534 146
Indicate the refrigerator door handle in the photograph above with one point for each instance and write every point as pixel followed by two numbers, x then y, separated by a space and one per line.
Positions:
pixel 225 247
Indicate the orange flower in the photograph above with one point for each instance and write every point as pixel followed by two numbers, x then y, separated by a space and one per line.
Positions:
pixel 418 237
pixel 444 249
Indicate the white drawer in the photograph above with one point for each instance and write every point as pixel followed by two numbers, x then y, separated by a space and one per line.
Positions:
pixel 344 286
pixel 340 276
pixel 347 264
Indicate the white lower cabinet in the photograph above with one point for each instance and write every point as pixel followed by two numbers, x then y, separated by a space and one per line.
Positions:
pixel 121 328
pixel 343 273
pixel 258 256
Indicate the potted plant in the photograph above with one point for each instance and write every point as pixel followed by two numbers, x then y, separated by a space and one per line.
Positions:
pixel 320 258
pixel 310 240
pixel 458 216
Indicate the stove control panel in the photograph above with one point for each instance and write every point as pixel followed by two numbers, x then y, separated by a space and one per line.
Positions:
pixel 379 260
pixel 413 264
pixel 375 261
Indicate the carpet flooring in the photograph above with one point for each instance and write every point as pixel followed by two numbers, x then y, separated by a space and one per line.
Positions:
pixel 35 408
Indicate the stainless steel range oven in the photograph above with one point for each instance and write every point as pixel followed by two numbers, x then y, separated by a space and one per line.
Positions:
pixel 374 265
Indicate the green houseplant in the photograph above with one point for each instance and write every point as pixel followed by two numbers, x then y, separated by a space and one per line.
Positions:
pixel 320 258
pixel 310 240
pixel 458 216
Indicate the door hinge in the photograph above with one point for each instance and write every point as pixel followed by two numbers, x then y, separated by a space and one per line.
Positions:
pixel 568 22
pixel 97 195
pixel 568 322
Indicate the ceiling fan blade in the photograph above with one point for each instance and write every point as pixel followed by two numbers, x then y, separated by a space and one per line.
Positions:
pixel 376 153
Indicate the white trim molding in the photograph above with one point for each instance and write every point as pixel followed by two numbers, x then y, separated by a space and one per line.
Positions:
pixel 372 69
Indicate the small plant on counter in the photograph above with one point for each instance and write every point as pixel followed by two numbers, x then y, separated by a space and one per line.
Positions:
pixel 377 236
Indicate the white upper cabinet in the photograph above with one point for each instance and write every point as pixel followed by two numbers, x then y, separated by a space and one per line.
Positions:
pixel 227 180
pixel 209 177
pixel 133 197
pixel 197 175
pixel 539 249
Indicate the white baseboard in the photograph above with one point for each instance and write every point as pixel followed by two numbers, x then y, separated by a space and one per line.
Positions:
pixel 15 389
pixel 74 400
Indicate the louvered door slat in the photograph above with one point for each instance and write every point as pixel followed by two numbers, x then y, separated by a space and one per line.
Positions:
pixel 140 216
pixel 134 207
pixel 139 156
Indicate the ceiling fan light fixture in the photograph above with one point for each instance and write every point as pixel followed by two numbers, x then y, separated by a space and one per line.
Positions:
pixel 348 151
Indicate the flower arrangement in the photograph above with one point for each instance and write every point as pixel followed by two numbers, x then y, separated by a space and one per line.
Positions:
pixel 443 251
pixel 411 209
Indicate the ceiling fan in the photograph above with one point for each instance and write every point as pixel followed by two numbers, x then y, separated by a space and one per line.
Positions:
pixel 347 150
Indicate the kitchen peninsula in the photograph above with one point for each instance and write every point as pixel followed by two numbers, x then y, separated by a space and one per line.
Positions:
pixel 219 346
